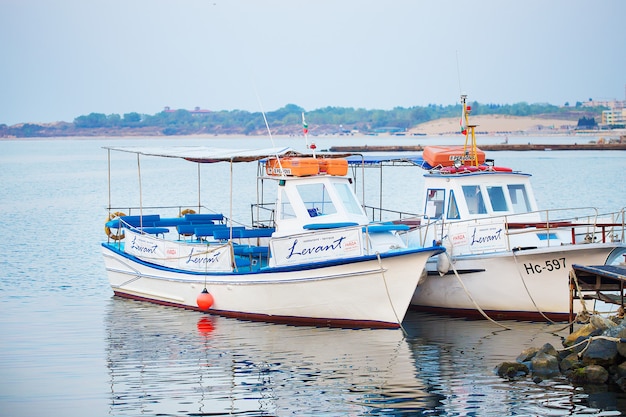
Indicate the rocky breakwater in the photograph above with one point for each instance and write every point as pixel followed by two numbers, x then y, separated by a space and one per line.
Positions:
pixel 595 354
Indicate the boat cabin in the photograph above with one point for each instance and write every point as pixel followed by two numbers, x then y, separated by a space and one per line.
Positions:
pixel 309 199
pixel 479 194
pixel 307 203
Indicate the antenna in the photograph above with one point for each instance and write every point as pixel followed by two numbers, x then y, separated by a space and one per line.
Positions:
pixel 458 72
pixel 267 126
pixel 269 131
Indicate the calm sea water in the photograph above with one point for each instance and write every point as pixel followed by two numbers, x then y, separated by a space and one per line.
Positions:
pixel 69 348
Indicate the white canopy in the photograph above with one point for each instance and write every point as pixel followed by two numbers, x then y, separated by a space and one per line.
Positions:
pixel 204 154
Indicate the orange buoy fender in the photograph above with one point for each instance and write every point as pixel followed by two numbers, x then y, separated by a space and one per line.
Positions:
pixel 204 300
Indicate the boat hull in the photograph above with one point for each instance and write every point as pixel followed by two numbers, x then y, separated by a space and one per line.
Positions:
pixel 364 292
pixel 524 285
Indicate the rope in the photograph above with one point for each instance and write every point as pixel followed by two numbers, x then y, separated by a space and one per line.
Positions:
pixel 456 274
pixel 528 291
pixel 572 275
pixel 382 272
pixel 588 342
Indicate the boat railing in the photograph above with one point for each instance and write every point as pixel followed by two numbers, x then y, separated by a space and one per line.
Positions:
pixel 159 220
pixel 173 211
pixel 263 214
pixel 581 225
pixel 585 224
pixel 379 214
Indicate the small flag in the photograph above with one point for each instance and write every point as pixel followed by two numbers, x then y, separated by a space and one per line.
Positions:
pixel 463 125
pixel 305 127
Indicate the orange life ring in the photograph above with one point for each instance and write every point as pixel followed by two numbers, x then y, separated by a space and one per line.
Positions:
pixel 114 236
pixel 187 211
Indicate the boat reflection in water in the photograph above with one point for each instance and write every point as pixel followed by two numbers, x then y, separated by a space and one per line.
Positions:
pixel 169 361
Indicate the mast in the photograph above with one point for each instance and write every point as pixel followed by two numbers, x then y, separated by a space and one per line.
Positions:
pixel 469 131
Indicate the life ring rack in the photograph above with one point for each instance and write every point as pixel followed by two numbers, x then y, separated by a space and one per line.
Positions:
pixel 119 235
pixel 466 169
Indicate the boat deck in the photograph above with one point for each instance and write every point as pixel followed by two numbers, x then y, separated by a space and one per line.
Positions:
pixel 591 282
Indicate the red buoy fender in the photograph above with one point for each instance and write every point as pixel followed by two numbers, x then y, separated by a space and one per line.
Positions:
pixel 204 300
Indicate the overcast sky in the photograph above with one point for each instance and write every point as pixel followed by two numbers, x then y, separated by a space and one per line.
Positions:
pixel 61 59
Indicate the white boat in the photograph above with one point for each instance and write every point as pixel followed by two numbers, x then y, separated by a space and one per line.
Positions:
pixel 505 256
pixel 314 258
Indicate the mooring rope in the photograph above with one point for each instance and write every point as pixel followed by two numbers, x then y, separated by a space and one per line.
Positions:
pixel 382 272
pixel 588 342
pixel 472 298
pixel 528 291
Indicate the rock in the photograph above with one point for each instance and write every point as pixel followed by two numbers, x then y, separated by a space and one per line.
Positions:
pixel 527 354
pixel 621 370
pixel 583 333
pixel 548 349
pixel 511 370
pixel 601 323
pixel 570 362
pixel 596 374
pixel 621 383
pixel 592 374
pixel 545 365
pixel 600 352
pixel 621 347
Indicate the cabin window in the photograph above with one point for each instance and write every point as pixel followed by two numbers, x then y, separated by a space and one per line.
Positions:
pixel 474 199
pixel 434 203
pixel 286 209
pixel 453 210
pixel 496 196
pixel 316 199
pixel 349 200
pixel 519 198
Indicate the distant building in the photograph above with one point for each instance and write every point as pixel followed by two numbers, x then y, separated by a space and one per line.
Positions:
pixel 196 110
pixel 611 104
pixel 615 116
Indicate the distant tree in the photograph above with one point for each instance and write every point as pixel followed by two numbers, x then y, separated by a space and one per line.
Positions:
pixel 91 120
pixel 28 130
pixel 586 122
pixel 114 120
pixel 131 118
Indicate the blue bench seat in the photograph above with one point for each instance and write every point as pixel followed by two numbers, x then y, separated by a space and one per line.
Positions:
pixel 208 230
pixel 148 220
pixel 380 228
pixel 243 233
pixel 171 222
pixel 321 226
pixel 251 250
pixel 154 230
pixel 204 217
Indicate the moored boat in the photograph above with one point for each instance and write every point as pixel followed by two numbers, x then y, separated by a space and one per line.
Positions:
pixel 505 257
pixel 310 255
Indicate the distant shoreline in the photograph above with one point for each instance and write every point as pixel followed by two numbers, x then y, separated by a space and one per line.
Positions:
pixel 486 125
pixel 495 147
